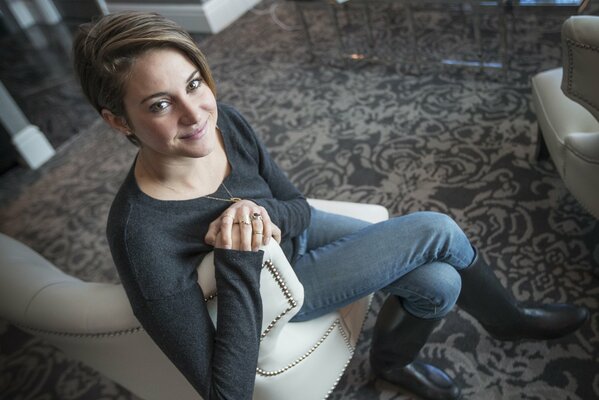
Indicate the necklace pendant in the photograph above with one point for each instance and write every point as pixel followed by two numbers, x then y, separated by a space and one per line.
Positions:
pixel 235 199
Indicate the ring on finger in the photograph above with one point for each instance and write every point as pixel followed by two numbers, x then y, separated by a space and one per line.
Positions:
pixel 258 233
pixel 256 216
pixel 245 220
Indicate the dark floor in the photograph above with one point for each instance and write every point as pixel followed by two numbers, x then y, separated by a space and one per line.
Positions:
pixel 35 67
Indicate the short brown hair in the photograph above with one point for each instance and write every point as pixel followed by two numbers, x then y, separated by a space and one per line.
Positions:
pixel 105 50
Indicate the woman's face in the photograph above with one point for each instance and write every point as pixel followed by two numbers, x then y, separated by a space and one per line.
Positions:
pixel 169 107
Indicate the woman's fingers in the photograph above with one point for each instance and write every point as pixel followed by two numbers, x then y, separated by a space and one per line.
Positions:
pixel 243 226
pixel 245 230
pixel 225 231
pixel 276 233
pixel 266 225
pixel 213 230
pixel 257 230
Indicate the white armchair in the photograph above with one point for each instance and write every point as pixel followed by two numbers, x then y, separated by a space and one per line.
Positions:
pixel 566 101
pixel 94 323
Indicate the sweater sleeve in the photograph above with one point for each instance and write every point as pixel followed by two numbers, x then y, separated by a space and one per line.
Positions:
pixel 219 362
pixel 287 207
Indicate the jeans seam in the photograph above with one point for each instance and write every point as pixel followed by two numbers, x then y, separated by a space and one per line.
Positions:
pixel 434 303
pixel 356 295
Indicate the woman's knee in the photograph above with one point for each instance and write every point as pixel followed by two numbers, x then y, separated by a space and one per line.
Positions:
pixel 435 222
pixel 442 237
pixel 430 291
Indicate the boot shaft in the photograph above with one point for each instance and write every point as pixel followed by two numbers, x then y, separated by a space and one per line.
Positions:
pixel 398 335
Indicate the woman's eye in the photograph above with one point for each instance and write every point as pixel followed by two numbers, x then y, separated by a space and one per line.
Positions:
pixel 196 83
pixel 159 106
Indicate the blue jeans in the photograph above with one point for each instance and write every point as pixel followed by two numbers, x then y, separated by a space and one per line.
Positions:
pixel 414 257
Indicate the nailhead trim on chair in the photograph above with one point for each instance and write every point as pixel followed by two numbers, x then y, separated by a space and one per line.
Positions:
pixel 336 323
pixel 82 335
pixel 93 335
pixel 268 264
pixel 292 303
pixel 351 352
pixel 571 43
pixel 339 376
pixel 210 297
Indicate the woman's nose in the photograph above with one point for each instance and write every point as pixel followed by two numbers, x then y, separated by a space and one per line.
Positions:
pixel 189 112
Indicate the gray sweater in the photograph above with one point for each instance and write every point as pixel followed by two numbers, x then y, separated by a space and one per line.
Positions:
pixel 157 245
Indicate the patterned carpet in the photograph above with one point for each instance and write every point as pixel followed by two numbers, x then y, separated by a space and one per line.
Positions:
pixel 449 139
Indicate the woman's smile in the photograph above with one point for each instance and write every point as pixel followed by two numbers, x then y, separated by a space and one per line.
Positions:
pixel 196 134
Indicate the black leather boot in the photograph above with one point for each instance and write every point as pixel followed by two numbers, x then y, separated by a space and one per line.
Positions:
pixel 397 339
pixel 484 297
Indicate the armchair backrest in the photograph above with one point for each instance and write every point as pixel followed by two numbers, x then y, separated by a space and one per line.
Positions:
pixel 278 284
pixel 580 47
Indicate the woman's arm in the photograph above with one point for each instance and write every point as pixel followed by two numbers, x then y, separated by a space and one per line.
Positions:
pixel 157 267
pixel 220 363
pixel 287 208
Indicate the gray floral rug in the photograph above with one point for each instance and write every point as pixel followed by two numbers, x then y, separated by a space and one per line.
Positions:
pixel 407 133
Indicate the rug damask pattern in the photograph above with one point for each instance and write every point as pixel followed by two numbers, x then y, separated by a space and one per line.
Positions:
pixel 453 140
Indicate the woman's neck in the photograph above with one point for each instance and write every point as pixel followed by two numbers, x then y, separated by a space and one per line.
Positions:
pixel 181 178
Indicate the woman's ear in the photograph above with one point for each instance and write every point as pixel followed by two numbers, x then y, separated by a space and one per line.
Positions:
pixel 116 122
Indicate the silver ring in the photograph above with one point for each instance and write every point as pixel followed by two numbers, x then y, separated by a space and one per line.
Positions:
pixel 256 216
pixel 245 220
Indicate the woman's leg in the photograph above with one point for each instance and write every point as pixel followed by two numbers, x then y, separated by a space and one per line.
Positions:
pixel 326 227
pixel 398 335
pixel 396 256
pixel 337 268
pixel 383 253
pixel 342 260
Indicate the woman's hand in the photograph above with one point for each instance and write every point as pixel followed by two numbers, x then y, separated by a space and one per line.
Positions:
pixel 243 226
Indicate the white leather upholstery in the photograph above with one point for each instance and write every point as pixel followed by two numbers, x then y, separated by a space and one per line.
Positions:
pixel 93 323
pixel 567 109
pixel 580 46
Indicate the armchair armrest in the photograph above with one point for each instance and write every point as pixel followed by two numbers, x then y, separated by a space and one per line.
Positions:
pixel 368 212
pixel 585 145
pixel 580 47
pixel 37 295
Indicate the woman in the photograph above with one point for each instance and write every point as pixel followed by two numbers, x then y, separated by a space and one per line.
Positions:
pixel 202 181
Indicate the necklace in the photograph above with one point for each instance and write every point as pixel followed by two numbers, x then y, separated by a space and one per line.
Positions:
pixel 231 199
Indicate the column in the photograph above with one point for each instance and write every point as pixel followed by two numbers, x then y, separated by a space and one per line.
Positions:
pixel 29 141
